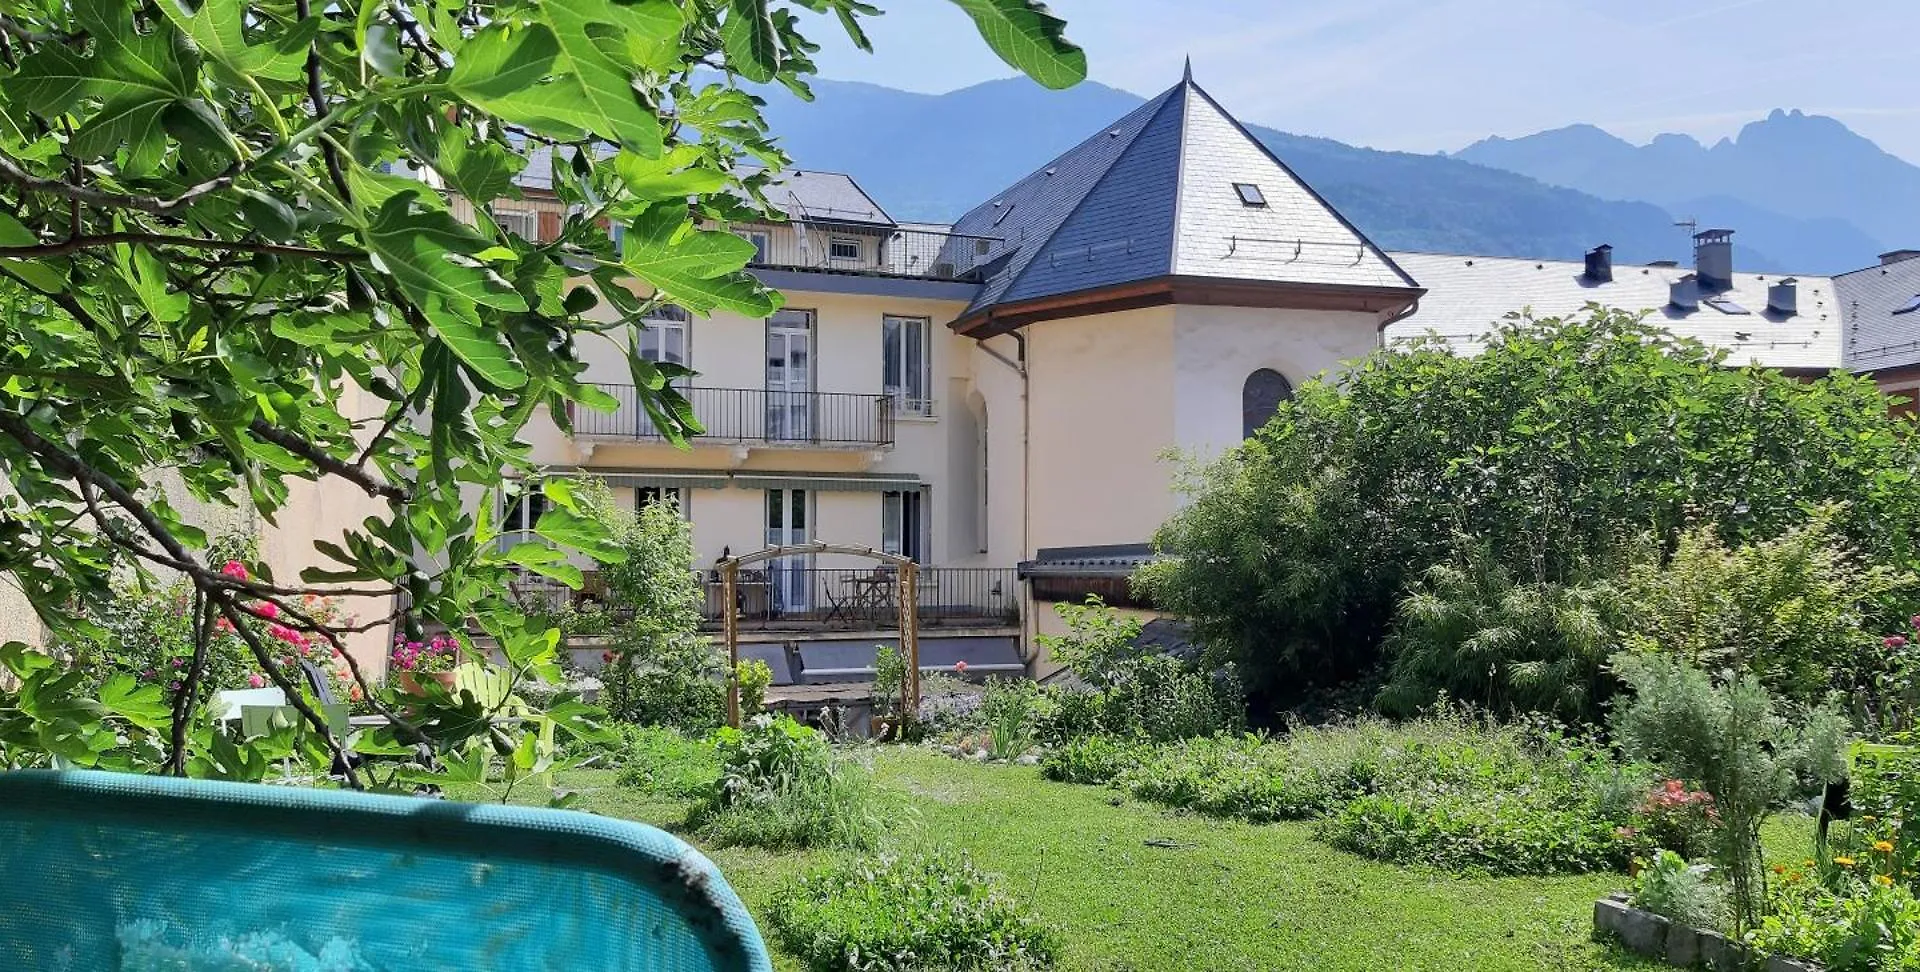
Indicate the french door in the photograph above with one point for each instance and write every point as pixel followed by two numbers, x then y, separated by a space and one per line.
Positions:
pixel 790 376
pixel 788 525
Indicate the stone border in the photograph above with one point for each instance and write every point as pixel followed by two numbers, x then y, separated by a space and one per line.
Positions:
pixel 1653 936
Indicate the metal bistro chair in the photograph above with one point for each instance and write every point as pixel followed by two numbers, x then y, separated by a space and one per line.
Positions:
pixel 139 874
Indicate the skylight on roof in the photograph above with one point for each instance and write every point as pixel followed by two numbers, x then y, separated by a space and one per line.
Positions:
pixel 1250 194
pixel 1724 306
pixel 1910 306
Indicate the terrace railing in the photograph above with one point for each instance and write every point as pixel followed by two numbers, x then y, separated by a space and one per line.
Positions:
pixel 755 415
pixel 926 254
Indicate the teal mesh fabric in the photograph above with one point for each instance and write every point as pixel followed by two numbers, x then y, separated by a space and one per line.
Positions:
pixel 105 872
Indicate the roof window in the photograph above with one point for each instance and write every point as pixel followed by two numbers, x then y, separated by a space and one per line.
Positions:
pixel 1250 194
pixel 1910 306
pixel 1724 306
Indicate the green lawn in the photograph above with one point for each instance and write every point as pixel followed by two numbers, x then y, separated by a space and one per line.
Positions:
pixel 1227 896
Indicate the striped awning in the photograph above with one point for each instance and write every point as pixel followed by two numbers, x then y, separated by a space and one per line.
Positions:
pixel 641 479
pixel 830 482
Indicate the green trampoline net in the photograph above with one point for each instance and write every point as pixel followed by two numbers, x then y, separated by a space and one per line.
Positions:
pixel 102 871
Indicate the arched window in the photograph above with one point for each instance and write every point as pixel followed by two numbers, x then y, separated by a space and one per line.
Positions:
pixel 1260 397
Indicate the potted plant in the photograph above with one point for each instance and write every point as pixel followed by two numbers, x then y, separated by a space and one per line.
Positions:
pixel 433 659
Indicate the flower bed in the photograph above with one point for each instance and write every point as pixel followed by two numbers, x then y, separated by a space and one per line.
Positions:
pixel 1680 945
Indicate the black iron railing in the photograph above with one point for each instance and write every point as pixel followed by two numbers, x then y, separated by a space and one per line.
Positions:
pixel 793 418
pixel 858 598
pixel 802 598
pixel 875 251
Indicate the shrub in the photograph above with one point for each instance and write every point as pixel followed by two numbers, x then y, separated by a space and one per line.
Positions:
pixel 754 677
pixel 1469 630
pixel 1544 831
pixel 1011 707
pixel 1221 776
pixel 1734 741
pixel 1094 760
pixel 948 706
pixel 1672 888
pixel 1676 819
pixel 665 762
pixel 1556 440
pixel 1867 928
pixel 782 786
pixel 907 914
pixel 1794 611
pixel 1132 691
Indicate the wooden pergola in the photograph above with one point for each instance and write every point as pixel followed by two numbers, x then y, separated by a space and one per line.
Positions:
pixel 909 614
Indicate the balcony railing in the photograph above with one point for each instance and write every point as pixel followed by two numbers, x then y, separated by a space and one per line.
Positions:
pixel 924 254
pixel 779 418
pixel 794 596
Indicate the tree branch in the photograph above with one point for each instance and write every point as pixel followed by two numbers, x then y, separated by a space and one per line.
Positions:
pixel 328 463
pixel 114 200
pixel 83 242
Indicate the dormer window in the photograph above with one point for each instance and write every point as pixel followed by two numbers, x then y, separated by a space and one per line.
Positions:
pixel 1250 194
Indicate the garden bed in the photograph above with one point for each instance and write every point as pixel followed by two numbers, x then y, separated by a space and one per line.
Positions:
pixel 1679 945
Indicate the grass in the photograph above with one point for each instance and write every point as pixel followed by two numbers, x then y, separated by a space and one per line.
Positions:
pixel 1129 886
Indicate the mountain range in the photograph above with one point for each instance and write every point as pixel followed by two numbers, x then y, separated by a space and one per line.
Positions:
pixel 1803 192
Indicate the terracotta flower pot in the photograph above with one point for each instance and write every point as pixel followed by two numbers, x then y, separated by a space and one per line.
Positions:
pixel 410 681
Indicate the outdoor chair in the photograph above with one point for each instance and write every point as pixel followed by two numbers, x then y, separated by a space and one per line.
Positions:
pixel 111 871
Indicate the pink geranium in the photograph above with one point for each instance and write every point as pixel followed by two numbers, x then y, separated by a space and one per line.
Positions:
pixel 267 609
pixel 234 569
pixel 257 680
pixel 1895 642
pixel 960 666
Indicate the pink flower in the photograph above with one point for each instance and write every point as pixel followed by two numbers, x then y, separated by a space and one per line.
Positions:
pixel 257 680
pixel 960 666
pixel 1915 621
pixel 607 656
pixel 267 609
pixel 1895 642
pixel 286 634
pixel 223 626
pixel 234 569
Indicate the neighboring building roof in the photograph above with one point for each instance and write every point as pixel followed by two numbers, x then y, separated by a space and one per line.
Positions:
pixel 1104 560
pixel 825 197
pixel 1468 296
pixel 1883 323
pixel 1159 193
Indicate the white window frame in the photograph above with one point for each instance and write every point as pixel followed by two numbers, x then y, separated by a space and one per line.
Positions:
pixel 893 523
pixel 677 495
pixel 834 243
pixel 520 514
pixel 762 243
pixel 670 325
pixel 905 372
pixel 524 223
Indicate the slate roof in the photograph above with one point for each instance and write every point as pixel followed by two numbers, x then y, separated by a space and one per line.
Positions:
pixel 1153 195
pixel 1877 337
pixel 825 197
pixel 1468 295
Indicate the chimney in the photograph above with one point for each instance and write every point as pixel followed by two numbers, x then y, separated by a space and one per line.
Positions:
pixel 1895 256
pixel 1685 293
pixel 1600 264
pixel 1713 259
pixel 1783 298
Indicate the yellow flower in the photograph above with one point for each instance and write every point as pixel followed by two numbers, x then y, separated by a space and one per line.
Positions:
pixel 1793 877
pixel 1883 880
pixel 1844 861
pixel 1779 869
pixel 1883 846
pixel 1869 818
pixel 1807 863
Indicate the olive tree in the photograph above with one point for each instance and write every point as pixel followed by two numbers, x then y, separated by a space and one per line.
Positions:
pixel 223 222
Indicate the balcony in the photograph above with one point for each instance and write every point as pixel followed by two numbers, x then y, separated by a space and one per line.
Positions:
pixel 797 597
pixel 871 251
pixel 754 416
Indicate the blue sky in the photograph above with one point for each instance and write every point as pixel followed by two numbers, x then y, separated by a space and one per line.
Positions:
pixel 1427 75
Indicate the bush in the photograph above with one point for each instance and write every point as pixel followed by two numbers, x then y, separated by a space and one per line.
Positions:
pixel 1547 831
pixel 665 762
pixel 1221 776
pixel 1866 928
pixel 1794 611
pixel 1469 630
pixel 907 914
pixel 1674 889
pixel 782 786
pixel 1094 760
pixel 1132 691
pixel 1556 441
pixel 1734 741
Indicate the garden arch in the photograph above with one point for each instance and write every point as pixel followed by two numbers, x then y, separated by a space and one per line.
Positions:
pixel 909 613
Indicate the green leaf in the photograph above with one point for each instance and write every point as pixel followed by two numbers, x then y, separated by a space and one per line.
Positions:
pixel 547 562
pixel 478 170
pixel 37 273
pixel 143 705
pixel 131 123
pixel 218 29
pixel 697 269
pixel 571 530
pixel 1029 37
pixel 584 89
pixel 676 175
pixel 430 254
pixel 747 36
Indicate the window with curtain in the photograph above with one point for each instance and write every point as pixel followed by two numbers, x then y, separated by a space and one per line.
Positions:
pixel 1260 398
pixel 907 363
